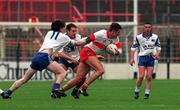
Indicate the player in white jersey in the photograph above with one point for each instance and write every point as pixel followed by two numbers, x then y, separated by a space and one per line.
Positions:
pixel 145 42
pixel 69 57
pixel 54 41
pixel 88 59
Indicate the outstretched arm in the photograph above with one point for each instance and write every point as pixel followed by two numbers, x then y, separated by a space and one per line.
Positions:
pixel 82 41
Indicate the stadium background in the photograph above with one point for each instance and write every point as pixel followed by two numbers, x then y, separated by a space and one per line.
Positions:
pixel 20 37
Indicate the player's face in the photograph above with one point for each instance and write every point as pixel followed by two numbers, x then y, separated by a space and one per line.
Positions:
pixel 72 32
pixel 147 28
pixel 63 30
pixel 114 34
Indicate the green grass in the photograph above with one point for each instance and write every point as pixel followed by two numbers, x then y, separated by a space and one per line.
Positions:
pixel 104 95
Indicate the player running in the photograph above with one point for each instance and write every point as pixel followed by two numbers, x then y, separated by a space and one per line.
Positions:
pixel 88 59
pixel 69 58
pixel 54 40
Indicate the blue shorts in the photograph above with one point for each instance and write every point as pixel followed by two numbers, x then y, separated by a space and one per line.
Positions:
pixel 40 61
pixel 146 61
pixel 66 63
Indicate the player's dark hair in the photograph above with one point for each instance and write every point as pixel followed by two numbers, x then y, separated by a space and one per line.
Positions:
pixel 57 25
pixel 147 23
pixel 115 27
pixel 69 26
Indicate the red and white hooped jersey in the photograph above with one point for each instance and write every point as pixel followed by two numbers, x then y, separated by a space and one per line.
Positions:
pixel 100 40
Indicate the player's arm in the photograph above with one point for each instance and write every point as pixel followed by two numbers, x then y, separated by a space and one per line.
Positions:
pixel 60 54
pixel 134 47
pixel 158 49
pixel 100 57
pixel 63 55
pixel 119 48
pixel 83 41
pixel 65 40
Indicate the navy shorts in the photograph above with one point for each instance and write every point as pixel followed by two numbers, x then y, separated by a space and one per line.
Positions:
pixel 66 63
pixel 40 61
pixel 146 61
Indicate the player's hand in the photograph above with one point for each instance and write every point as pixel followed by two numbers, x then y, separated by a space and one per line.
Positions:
pixel 156 56
pixel 55 55
pixel 132 61
pixel 100 57
pixel 75 61
pixel 117 52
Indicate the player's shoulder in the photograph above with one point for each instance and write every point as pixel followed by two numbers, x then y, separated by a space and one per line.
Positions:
pixel 78 36
pixel 154 35
pixel 102 31
pixel 139 36
pixel 49 32
pixel 63 37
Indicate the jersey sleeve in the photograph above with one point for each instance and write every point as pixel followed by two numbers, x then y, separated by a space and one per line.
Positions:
pixel 157 44
pixel 99 34
pixel 92 37
pixel 118 45
pixel 135 45
pixel 65 40
pixel 78 37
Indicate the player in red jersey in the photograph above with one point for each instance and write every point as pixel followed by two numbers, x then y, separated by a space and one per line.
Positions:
pixel 97 44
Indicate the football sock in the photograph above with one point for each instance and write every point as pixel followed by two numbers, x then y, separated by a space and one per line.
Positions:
pixel 80 84
pixel 84 86
pixel 147 91
pixel 137 89
pixel 56 86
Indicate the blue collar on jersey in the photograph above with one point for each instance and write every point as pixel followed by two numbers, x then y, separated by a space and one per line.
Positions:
pixel 148 36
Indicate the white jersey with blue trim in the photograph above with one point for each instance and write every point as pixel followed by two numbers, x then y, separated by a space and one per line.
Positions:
pixel 72 50
pixel 145 45
pixel 55 40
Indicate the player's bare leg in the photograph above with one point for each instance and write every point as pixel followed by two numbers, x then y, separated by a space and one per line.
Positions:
pixel 82 70
pixel 97 66
pixel 139 81
pixel 77 87
pixel 29 73
pixel 81 73
pixel 148 82
pixel 60 75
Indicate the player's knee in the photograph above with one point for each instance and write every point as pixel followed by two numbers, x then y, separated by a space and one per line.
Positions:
pixel 141 78
pixel 100 71
pixel 62 72
pixel 148 78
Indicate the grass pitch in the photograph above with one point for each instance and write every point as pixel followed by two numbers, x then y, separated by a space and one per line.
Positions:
pixel 104 95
